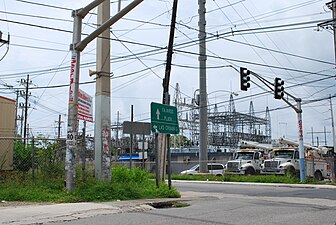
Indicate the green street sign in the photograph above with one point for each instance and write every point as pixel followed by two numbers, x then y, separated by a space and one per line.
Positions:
pixel 164 119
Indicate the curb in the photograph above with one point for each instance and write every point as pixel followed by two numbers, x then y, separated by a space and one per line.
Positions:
pixel 312 186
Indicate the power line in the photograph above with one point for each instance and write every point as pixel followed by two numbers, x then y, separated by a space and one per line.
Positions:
pixel 45 5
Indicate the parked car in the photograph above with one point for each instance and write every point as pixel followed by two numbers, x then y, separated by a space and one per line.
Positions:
pixel 216 169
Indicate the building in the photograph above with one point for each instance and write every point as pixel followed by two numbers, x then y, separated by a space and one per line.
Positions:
pixel 7 132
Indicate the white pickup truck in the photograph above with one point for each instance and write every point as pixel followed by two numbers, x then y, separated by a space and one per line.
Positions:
pixel 245 162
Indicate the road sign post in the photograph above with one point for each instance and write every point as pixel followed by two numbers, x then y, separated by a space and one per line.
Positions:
pixel 163 120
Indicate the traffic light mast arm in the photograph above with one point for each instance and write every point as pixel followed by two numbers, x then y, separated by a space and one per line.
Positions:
pixel 264 81
pixel 269 85
pixel 278 87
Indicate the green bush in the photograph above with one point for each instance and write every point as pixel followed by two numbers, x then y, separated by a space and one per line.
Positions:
pixel 22 159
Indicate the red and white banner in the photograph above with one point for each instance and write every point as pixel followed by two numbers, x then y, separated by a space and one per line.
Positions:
pixel 85 106
pixel 72 77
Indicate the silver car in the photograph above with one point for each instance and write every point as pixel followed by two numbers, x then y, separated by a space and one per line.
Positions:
pixel 216 169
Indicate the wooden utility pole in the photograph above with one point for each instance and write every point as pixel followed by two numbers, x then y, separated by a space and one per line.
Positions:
pixel 163 139
pixel 26 82
pixel 59 122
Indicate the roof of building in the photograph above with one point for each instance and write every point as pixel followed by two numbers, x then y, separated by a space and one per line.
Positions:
pixel 8 99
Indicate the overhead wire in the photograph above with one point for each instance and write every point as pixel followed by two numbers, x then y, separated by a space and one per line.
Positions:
pixel 277 47
pixel 210 38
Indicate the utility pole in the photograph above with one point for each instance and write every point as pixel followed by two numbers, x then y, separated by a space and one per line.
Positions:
pixel 117 133
pixel 163 148
pixel 203 111
pixel 312 133
pixel 83 150
pixel 21 120
pixel 77 47
pixel 16 112
pixel 131 139
pixel 103 99
pixel 333 8
pixel 26 82
pixel 59 122
pixel 334 140
pixel 72 130
pixel 319 132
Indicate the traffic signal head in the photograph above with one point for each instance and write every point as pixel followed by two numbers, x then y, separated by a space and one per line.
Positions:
pixel 244 79
pixel 278 88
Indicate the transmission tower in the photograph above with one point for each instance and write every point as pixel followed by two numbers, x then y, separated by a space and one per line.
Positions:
pixel 188 121
pixel 232 113
pixel 268 129
pixel 252 114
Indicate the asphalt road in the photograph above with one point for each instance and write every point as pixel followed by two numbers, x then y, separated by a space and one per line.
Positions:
pixel 262 190
pixel 232 204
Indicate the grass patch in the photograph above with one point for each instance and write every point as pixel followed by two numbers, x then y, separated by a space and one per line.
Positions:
pixel 254 179
pixel 126 184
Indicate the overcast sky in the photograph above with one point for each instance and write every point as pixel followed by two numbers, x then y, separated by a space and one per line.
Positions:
pixel 290 46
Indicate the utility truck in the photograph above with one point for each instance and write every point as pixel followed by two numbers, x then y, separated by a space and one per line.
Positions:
pixel 318 167
pixel 286 161
pixel 245 162
pixel 282 161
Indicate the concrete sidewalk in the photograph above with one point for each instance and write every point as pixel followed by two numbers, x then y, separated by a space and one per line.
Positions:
pixel 22 213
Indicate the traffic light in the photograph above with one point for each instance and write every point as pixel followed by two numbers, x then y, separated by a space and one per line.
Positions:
pixel 278 88
pixel 244 79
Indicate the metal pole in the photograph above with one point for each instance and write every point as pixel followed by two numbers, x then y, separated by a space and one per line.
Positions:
pixel 332 124
pixel 119 5
pixel 21 122
pixel 103 99
pixel 59 127
pixel 117 133
pixel 334 25
pixel 157 160
pixel 16 112
pixel 325 135
pixel 203 116
pixel 26 112
pixel 33 158
pixel 312 133
pixel 333 177
pixel 169 162
pixel 143 151
pixel 301 149
pixel 80 46
pixel 131 138
pixel 333 129
pixel 72 130
pixel 83 150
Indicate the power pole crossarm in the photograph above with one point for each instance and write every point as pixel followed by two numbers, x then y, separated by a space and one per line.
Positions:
pixel 81 45
pixel 84 11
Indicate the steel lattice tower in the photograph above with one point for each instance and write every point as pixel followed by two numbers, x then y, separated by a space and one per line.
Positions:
pixel 268 129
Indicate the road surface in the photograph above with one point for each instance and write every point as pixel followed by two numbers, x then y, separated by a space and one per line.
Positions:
pixel 233 204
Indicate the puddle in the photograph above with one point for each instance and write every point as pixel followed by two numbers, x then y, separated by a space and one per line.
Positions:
pixel 166 205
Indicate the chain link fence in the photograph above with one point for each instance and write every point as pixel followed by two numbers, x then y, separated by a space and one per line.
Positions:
pixel 44 158
pixel 40 157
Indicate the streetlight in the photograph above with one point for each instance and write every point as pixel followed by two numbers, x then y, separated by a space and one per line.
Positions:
pixel 229 92
pixel 100 73
pixel 196 97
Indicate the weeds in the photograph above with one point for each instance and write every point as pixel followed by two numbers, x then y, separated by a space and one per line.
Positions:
pixel 126 184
